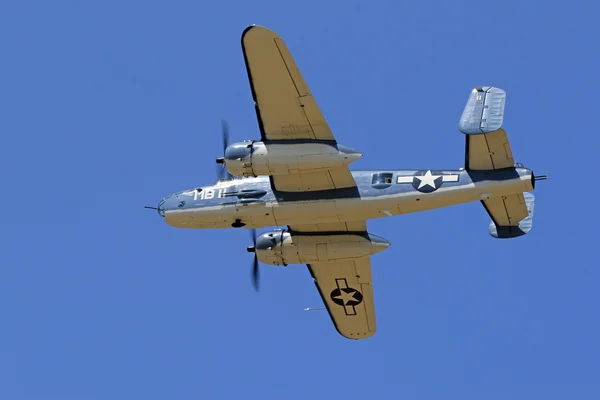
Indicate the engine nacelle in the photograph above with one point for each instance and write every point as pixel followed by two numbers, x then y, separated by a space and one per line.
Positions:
pixel 250 158
pixel 282 248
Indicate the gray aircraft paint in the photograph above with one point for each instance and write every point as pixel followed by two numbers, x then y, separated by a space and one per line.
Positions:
pixel 484 111
pixel 255 203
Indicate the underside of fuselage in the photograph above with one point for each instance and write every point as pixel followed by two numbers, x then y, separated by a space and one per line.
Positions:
pixel 252 202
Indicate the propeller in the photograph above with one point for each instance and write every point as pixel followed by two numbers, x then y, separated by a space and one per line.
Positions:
pixel 222 172
pixel 254 276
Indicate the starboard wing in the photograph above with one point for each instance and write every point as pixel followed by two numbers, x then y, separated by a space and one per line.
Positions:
pixel 286 109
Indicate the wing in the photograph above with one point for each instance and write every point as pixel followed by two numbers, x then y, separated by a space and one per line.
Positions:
pixel 285 108
pixel 284 105
pixel 347 291
pixel 346 286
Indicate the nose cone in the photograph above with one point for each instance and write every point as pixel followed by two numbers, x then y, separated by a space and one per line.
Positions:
pixel 267 241
pixel 160 208
pixel 237 151
pixel 166 205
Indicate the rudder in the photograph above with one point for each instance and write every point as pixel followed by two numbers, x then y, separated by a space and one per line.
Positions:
pixel 487 146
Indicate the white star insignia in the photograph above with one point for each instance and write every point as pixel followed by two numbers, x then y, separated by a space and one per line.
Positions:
pixel 427 180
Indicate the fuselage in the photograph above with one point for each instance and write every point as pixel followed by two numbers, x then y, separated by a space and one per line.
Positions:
pixel 252 203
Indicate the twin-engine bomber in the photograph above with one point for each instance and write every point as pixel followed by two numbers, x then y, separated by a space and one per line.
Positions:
pixel 297 176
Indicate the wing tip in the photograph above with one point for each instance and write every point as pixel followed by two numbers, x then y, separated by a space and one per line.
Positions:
pixel 247 29
pixel 258 29
pixel 354 335
pixel 347 335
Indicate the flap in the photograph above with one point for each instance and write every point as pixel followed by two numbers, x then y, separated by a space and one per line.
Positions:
pixel 335 178
pixel 357 226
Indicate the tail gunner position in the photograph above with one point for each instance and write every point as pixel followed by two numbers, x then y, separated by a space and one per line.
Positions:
pixel 297 176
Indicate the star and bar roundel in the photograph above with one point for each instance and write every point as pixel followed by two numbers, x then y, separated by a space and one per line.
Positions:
pixel 346 296
pixel 427 181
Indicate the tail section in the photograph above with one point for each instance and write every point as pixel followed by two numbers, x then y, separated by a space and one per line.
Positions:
pixel 487 149
pixel 487 145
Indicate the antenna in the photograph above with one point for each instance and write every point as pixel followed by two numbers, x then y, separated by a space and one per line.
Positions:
pixel 314 309
pixel 540 178
pixel 151 208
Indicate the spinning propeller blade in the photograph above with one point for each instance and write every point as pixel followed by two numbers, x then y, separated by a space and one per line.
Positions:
pixel 222 172
pixel 225 134
pixel 254 276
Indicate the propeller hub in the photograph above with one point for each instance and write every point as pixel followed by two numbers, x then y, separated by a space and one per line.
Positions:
pixel 251 249
pixel 221 160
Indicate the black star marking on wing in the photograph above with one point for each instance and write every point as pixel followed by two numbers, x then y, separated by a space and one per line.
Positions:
pixel 345 296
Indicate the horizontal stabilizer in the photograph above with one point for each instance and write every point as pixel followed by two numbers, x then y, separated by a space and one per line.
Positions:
pixel 512 216
pixel 489 151
pixel 484 111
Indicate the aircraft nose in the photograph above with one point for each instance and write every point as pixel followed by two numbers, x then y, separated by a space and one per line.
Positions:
pixel 160 208
pixel 167 204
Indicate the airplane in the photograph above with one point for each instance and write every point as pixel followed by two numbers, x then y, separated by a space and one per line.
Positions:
pixel 297 176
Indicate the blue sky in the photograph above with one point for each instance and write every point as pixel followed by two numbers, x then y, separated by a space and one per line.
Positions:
pixel 108 106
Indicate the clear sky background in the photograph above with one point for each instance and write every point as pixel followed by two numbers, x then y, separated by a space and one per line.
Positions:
pixel 108 106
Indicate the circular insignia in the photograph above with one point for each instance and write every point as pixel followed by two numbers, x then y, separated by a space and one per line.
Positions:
pixel 346 297
pixel 427 181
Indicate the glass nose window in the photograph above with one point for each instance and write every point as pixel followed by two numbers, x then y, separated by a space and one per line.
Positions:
pixel 382 179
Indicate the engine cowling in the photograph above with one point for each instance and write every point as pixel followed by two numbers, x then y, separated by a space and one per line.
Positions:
pixel 253 158
pixel 282 248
